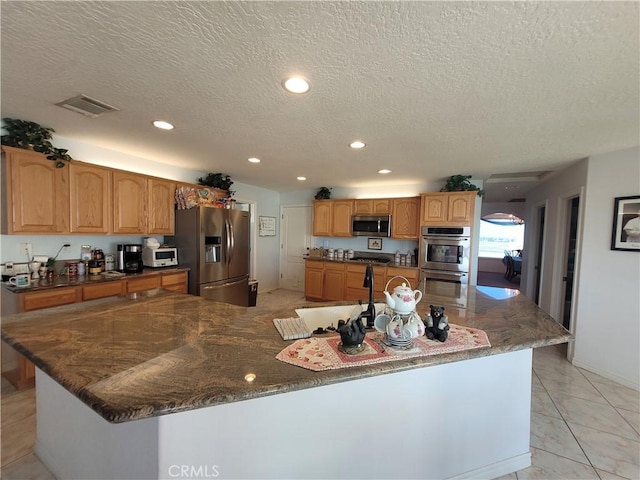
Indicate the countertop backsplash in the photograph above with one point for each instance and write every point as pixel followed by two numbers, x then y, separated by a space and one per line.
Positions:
pixel 48 245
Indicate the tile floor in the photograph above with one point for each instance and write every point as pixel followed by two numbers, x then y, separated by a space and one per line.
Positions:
pixel 583 426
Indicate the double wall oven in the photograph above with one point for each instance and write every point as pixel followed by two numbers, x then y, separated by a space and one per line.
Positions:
pixel 445 253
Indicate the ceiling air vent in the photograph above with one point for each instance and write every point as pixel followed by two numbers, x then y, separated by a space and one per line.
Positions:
pixel 87 106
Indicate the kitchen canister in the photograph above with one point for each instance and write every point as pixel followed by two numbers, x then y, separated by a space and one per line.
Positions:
pixel 72 268
pixel 94 267
pixel 109 262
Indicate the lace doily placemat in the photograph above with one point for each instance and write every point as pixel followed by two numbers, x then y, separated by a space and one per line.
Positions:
pixel 318 353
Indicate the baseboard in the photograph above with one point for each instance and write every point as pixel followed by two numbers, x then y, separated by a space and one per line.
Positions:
pixel 498 469
pixel 608 375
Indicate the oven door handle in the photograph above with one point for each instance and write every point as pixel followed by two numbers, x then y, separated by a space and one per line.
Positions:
pixel 448 239
pixel 445 272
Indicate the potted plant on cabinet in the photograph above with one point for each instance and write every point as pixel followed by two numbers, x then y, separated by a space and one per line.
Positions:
pixel 323 193
pixel 461 183
pixel 217 180
pixel 32 136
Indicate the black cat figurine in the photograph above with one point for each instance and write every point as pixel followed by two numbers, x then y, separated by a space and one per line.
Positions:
pixel 352 332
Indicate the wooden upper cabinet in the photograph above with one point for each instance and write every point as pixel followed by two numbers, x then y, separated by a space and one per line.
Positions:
pixel 404 219
pixel 341 221
pixel 448 208
pixel 373 206
pixel 130 200
pixel 89 196
pixel 161 206
pixel 37 193
pixel 322 214
pixel 434 208
pixel 461 208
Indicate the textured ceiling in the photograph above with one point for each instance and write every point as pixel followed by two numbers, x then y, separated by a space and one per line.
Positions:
pixel 433 88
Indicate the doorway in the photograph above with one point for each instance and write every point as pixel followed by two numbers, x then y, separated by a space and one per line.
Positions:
pixel 537 261
pixel 573 206
pixel 295 237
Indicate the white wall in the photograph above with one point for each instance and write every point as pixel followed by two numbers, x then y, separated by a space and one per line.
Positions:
pixel 608 308
pixel 607 283
pixel 267 203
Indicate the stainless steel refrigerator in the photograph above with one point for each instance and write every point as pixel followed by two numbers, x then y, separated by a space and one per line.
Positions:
pixel 214 244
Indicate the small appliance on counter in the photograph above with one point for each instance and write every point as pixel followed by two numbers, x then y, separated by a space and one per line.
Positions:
pixel 120 258
pixel 156 255
pixel 132 256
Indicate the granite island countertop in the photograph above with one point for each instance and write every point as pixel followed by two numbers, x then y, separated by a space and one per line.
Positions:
pixel 159 352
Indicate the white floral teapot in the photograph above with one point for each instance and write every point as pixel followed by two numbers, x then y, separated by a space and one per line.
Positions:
pixel 403 300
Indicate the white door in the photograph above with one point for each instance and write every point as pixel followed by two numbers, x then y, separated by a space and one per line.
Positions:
pixel 296 237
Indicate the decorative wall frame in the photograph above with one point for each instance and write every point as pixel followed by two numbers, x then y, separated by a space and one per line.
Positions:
pixel 267 226
pixel 374 243
pixel 626 224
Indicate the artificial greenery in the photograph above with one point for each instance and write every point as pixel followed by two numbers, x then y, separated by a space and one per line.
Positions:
pixel 323 193
pixel 461 183
pixel 32 136
pixel 217 180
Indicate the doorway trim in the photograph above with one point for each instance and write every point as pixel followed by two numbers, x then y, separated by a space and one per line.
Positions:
pixel 253 236
pixel 308 238
pixel 538 245
pixel 562 239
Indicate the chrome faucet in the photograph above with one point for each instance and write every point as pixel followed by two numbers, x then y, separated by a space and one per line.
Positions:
pixel 370 313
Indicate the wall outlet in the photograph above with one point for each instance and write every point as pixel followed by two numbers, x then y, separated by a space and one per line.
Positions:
pixel 27 250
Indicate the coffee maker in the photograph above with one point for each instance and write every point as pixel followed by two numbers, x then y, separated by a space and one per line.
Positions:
pixel 130 257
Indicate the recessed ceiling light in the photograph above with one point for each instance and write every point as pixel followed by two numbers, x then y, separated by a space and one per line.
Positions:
pixel 296 85
pixel 163 125
pixel 254 160
pixel 357 144
pixel 302 179
pixel 384 171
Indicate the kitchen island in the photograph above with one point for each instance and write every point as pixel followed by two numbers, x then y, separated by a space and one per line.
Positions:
pixel 166 385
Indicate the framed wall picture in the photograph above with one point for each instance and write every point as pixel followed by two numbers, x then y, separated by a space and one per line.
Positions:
pixel 267 226
pixel 374 243
pixel 626 224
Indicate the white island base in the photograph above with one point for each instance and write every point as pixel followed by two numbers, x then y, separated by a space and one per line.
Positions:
pixel 468 419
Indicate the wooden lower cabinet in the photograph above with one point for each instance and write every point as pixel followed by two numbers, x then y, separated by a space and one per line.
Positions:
pixel 30 301
pixel 313 280
pixel 333 287
pixel 143 283
pixel 355 280
pixel 176 282
pixel 337 281
pixel 103 290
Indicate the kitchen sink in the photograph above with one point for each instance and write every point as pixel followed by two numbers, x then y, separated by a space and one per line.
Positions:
pixel 315 317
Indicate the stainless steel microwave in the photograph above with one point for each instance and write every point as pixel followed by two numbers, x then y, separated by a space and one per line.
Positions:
pixel 371 225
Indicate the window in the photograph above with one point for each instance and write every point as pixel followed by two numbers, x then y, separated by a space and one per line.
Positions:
pixel 500 232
